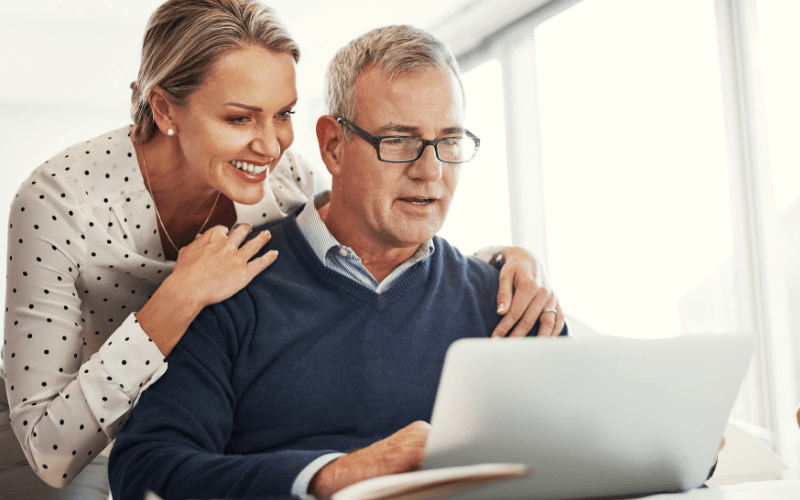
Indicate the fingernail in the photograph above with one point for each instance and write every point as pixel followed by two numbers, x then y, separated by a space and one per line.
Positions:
pixel 276 253
pixel 266 232
pixel 501 308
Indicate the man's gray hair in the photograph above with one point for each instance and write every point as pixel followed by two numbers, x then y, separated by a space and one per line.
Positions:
pixel 396 50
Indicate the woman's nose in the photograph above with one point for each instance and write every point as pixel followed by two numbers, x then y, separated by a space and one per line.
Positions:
pixel 266 143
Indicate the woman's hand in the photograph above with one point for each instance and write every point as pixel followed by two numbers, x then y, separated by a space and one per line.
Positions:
pixel 525 296
pixel 216 265
pixel 209 270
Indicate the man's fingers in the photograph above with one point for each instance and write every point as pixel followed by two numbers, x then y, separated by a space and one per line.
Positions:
pixel 531 314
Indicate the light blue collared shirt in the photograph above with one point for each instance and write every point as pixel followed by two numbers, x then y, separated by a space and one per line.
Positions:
pixel 344 261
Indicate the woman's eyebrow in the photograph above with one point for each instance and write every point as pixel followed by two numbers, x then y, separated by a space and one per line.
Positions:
pixel 255 108
pixel 245 106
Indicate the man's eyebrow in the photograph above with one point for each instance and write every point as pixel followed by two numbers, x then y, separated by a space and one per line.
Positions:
pixel 405 129
pixel 456 130
pixel 393 127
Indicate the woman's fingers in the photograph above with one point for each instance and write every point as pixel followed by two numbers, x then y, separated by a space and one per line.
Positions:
pixel 505 291
pixel 532 312
pixel 255 266
pixel 239 233
pixel 523 295
pixel 252 247
pixel 547 319
pixel 559 318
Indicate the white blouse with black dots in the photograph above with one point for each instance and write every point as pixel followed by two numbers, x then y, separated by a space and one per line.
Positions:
pixel 84 254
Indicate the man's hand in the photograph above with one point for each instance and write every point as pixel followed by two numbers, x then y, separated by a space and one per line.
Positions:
pixel 403 451
pixel 525 296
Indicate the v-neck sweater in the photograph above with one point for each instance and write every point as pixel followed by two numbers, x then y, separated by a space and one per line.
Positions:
pixel 302 362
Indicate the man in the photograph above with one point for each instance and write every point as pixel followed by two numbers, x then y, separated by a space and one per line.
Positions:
pixel 341 342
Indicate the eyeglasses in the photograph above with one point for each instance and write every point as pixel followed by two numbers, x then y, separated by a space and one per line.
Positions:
pixel 404 149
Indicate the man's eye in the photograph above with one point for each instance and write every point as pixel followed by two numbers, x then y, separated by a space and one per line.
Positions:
pixel 395 141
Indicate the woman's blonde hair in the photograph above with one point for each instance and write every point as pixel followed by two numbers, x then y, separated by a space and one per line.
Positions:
pixel 183 39
pixel 395 49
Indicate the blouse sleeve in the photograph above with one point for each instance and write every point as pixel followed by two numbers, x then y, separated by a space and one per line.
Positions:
pixel 63 411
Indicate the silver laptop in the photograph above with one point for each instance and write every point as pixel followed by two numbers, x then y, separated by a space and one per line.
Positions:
pixel 594 417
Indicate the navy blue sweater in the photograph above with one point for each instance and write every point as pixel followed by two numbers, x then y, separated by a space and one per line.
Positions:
pixel 302 362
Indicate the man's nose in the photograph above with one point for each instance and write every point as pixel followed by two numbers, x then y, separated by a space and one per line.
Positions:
pixel 266 142
pixel 427 167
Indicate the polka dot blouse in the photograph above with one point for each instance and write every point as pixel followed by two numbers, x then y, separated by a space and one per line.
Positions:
pixel 84 254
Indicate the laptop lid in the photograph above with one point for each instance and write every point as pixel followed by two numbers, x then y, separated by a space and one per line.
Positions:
pixel 593 417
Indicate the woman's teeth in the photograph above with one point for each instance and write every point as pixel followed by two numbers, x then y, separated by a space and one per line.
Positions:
pixel 249 167
pixel 419 201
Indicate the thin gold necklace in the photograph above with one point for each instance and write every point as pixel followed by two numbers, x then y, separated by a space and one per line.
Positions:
pixel 158 215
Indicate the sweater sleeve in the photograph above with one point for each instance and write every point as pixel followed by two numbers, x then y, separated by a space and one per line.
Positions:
pixel 63 411
pixel 175 442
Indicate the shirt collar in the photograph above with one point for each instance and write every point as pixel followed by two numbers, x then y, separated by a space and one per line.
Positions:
pixel 322 241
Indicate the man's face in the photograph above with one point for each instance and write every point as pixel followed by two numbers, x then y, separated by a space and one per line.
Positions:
pixel 401 205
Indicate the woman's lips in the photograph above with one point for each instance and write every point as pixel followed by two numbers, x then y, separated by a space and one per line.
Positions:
pixel 251 168
pixel 259 173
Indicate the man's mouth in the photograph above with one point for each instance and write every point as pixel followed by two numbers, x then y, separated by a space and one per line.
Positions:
pixel 418 201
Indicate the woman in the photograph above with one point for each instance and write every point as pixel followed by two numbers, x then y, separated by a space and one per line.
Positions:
pixel 110 258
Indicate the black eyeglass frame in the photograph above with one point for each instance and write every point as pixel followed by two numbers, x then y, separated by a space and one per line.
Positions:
pixel 375 142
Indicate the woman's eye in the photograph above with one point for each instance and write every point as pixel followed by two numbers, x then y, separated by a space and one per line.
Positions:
pixel 286 115
pixel 239 120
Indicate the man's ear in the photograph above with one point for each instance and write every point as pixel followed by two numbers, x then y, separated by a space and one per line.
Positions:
pixel 163 111
pixel 329 136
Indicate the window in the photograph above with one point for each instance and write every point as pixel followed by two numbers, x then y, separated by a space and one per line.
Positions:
pixel 779 40
pixel 479 214
pixel 652 146
pixel 633 150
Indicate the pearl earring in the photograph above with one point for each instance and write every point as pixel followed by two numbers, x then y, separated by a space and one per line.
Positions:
pixel 170 132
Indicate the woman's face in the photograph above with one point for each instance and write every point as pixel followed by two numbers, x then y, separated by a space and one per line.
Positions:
pixel 236 126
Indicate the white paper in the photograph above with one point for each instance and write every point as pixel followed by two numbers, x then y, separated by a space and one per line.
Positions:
pixel 744 458
pixel 432 483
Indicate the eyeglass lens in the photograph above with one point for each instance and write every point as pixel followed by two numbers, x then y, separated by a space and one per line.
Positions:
pixel 457 149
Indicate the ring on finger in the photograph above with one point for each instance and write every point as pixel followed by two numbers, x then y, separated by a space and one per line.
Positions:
pixel 550 310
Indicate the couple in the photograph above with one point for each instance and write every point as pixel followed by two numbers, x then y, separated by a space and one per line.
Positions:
pixel 110 262
pixel 340 343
